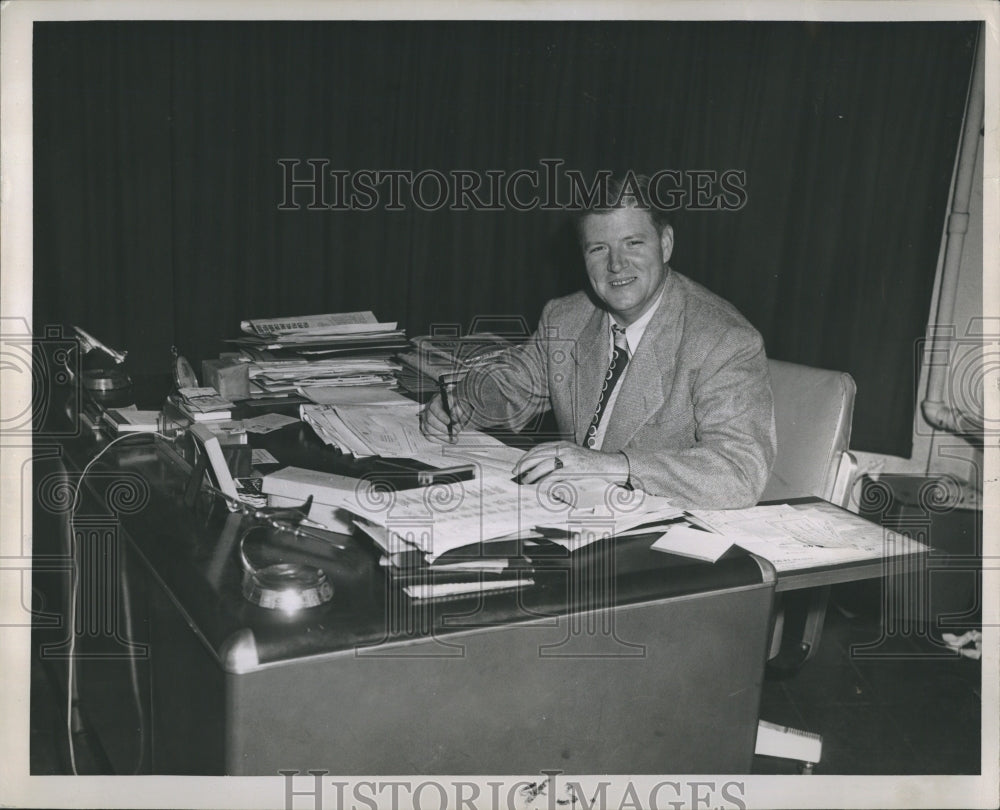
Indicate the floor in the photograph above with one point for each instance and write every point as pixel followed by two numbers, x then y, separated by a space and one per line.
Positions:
pixel 907 710
pixel 899 703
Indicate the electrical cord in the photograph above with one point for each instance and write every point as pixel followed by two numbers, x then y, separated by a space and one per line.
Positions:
pixel 283 519
pixel 74 595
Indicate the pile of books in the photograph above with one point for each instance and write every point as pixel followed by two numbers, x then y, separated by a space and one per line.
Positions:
pixel 286 355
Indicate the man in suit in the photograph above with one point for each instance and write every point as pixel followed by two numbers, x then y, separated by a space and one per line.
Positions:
pixel 656 383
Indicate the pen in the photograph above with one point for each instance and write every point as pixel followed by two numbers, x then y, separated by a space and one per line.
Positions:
pixel 443 386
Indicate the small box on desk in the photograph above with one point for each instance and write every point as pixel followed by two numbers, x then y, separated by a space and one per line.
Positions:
pixel 229 377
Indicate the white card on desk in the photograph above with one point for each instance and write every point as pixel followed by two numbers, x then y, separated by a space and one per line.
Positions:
pixel 689 542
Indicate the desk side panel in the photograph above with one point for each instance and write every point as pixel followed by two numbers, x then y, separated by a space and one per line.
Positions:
pixel 670 687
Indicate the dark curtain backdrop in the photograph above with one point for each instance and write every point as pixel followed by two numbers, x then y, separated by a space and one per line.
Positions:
pixel 157 181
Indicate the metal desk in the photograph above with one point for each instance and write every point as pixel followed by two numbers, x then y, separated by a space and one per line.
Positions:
pixel 619 660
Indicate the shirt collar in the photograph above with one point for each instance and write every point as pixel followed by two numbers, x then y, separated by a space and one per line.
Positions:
pixel 635 330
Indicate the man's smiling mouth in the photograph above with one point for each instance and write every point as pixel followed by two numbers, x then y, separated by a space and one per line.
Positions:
pixel 621 282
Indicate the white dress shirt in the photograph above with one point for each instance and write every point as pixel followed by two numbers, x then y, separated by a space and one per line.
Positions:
pixel 633 335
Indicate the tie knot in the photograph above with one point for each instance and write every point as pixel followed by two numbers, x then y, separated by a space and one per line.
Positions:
pixel 619 336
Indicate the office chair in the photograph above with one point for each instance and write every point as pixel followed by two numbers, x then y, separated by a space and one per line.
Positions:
pixel 813 409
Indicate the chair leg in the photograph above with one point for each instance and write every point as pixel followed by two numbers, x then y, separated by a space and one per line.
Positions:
pixel 778 631
pixel 787 655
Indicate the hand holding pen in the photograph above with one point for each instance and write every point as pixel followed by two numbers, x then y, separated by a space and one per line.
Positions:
pixel 445 401
pixel 444 416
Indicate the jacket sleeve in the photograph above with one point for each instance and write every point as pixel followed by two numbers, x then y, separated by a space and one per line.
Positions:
pixel 513 389
pixel 730 461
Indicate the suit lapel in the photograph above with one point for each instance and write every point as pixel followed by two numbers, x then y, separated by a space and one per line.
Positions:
pixel 591 357
pixel 642 388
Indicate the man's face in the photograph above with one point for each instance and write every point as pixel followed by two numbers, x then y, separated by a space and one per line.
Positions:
pixel 626 259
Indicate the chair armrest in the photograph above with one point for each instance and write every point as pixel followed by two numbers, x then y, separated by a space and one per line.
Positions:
pixel 847 469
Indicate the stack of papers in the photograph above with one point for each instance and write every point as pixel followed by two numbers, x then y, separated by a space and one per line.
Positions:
pixel 491 508
pixel 791 537
pixel 434 357
pixel 332 330
pixel 203 404
pixel 495 509
pixel 369 395
pixel 393 431
pixel 331 350
pixel 278 376
pixel 484 535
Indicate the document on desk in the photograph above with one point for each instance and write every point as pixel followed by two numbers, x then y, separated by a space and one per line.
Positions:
pixel 491 508
pixel 299 323
pixel 444 517
pixel 393 431
pixel 805 535
pixel 598 509
pixel 331 430
pixel 371 395
pixel 389 432
pixel 687 541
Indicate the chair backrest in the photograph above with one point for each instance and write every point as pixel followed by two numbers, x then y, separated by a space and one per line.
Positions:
pixel 813 408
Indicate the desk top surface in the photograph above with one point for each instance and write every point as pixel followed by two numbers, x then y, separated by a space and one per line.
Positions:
pixel 193 552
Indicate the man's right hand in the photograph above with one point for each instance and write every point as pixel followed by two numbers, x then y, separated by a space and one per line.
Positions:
pixel 434 419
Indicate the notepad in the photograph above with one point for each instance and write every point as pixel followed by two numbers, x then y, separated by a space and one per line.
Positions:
pixel 131 420
pixel 690 542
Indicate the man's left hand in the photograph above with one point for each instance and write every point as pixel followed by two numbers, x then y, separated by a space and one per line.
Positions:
pixel 556 460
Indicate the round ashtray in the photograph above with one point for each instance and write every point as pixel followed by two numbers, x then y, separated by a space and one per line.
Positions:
pixel 288 587
pixel 112 379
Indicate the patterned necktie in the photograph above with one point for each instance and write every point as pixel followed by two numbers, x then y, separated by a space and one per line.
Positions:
pixel 619 360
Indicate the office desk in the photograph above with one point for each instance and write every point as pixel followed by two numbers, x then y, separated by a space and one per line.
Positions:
pixel 619 660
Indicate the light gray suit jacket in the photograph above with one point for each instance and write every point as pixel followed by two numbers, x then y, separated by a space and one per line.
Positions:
pixel 694 416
